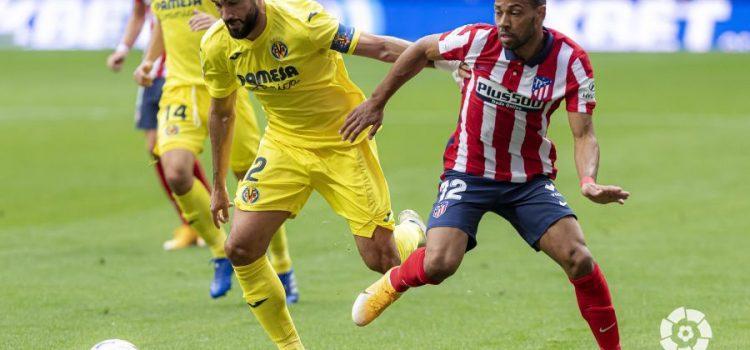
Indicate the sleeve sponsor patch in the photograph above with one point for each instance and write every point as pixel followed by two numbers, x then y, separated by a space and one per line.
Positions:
pixel 342 41
pixel 587 92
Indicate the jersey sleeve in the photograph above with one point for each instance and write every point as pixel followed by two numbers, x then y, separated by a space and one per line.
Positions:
pixel 580 95
pixel 455 45
pixel 327 33
pixel 220 80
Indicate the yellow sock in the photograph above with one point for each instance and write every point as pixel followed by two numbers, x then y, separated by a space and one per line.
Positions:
pixel 407 236
pixel 263 289
pixel 278 252
pixel 195 206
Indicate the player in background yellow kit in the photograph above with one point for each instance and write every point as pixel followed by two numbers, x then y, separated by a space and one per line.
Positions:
pixel 182 129
pixel 288 52
pixel 147 107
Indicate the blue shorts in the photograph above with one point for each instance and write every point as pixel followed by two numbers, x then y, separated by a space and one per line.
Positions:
pixel 531 207
pixel 147 105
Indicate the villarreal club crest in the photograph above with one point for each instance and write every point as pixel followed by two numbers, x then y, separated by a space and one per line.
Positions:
pixel 250 196
pixel 279 50
pixel 172 130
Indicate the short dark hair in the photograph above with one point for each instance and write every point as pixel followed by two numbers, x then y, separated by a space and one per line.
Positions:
pixel 538 3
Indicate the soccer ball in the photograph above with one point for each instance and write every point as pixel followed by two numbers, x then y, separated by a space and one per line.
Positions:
pixel 114 344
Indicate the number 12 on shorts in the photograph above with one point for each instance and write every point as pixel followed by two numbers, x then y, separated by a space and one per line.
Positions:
pixel 452 189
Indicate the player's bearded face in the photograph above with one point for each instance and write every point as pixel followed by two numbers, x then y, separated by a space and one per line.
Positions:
pixel 240 17
pixel 517 22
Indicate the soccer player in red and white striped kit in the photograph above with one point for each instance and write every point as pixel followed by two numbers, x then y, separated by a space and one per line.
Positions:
pixel 499 159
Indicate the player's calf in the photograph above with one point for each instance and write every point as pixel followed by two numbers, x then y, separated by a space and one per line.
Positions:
pixel 379 252
pixel 564 243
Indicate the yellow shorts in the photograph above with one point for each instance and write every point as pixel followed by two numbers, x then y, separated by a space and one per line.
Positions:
pixel 349 178
pixel 183 124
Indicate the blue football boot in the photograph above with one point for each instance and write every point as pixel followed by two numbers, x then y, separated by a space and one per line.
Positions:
pixel 290 286
pixel 222 282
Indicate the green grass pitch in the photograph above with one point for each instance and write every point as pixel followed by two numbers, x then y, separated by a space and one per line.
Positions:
pixel 82 220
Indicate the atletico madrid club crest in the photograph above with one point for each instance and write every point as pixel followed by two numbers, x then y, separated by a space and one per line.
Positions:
pixel 541 89
pixel 279 50
pixel 439 210
pixel 250 196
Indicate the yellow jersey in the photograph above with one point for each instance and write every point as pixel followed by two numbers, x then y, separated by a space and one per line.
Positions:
pixel 180 42
pixel 294 68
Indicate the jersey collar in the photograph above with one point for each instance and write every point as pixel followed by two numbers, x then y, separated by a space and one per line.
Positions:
pixel 549 39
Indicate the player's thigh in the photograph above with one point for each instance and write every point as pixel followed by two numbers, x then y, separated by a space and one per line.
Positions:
pixel 252 233
pixel 533 208
pixel 182 119
pixel 562 239
pixel 278 180
pixel 564 243
pixel 461 202
pixel 352 182
pixel 246 134
pixel 150 140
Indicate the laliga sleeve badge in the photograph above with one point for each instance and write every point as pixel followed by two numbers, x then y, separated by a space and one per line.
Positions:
pixel 250 196
pixel 588 91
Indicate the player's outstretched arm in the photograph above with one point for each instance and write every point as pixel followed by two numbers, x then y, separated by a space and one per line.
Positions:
pixel 388 49
pixel 220 130
pixel 587 162
pixel 408 65
pixel 142 74
pixel 132 31
pixel 380 47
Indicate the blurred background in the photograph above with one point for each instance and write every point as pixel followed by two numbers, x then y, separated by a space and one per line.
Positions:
pixel 607 25
pixel 82 217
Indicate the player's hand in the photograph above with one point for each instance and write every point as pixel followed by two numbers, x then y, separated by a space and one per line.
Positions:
pixel 463 71
pixel 220 205
pixel 142 74
pixel 461 74
pixel 201 21
pixel 459 70
pixel 116 60
pixel 604 194
pixel 365 115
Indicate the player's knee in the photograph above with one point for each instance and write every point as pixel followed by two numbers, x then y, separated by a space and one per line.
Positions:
pixel 238 254
pixel 580 262
pixel 438 267
pixel 179 180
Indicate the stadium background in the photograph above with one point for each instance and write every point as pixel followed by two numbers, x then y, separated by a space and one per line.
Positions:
pixel 82 218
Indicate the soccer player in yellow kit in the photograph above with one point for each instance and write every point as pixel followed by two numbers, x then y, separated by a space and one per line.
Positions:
pixel 288 52
pixel 182 129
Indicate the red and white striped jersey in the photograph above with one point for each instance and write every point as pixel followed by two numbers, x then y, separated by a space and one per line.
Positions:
pixel 507 103
pixel 159 70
